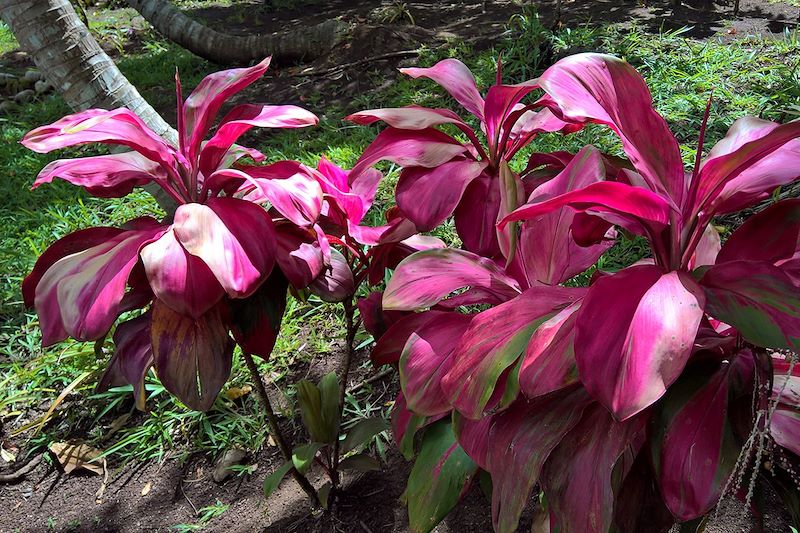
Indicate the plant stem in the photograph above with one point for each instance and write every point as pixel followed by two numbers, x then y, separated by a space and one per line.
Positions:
pixel 349 314
pixel 284 446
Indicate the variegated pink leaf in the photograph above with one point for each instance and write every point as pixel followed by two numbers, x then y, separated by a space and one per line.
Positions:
pixel 235 238
pixel 297 197
pixel 242 118
pixel 80 295
pixel 336 283
pixel 455 78
pixel 105 176
pixel 476 216
pixel 607 90
pixel 758 299
pixel 493 344
pixel 299 255
pixel 179 279
pixel 426 358
pixel 201 107
pixel 428 196
pixel 785 428
pixel 648 334
pixel 389 347
pixel 521 439
pixel 407 118
pixel 549 361
pixel 755 158
pixel 425 278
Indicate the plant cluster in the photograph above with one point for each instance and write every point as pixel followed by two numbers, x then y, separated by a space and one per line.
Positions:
pixel 633 401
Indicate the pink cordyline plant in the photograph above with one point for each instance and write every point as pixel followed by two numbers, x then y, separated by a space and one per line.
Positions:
pixel 443 176
pixel 220 263
pixel 629 401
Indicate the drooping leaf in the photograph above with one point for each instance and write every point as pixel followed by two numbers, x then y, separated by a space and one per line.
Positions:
pixel 440 476
pixel 493 343
pixel 133 357
pixel 335 283
pixel 455 78
pixel 758 299
pixel 648 334
pixel 426 358
pixel 360 462
pixel 520 440
pixel 578 477
pixel 425 278
pixel 192 356
pixel 256 321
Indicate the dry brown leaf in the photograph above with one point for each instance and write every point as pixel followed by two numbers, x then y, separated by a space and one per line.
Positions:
pixel 146 488
pixel 271 441
pixel 234 393
pixel 72 456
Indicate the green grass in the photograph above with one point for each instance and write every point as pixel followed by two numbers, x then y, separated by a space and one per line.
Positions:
pixel 751 76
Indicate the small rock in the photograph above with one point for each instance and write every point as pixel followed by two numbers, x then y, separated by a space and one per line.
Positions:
pixel 231 457
pixel 42 86
pixel 33 76
pixel 23 97
pixel 6 106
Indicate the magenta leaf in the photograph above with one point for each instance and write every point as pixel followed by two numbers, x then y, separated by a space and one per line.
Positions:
pixel 405 426
pixel 389 347
pixel 756 298
pixel 256 321
pixel 299 255
pixel 179 279
pixel 104 176
pixel 426 358
pixel 785 428
pixel 549 361
pixel 473 437
pixel 407 118
pixel 192 356
pixel 425 148
pixel 70 244
pixel 757 157
pixel 455 78
pixel 694 446
pixel 242 118
pixel 133 357
pixel 336 283
pixel 427 277
pixel 772 235
pixel 428 196
pixel 297 197
pixel 440 476
pixel 80 295
pixel 707 250
pixel 649 322
pixel 120 126
pixel 202 106
pixel 494 342
pixel 500 102
pixel 607 90
pixel 476 216
pixel 627 202
pixel 578 476
pixel 233 237
pixel 521 439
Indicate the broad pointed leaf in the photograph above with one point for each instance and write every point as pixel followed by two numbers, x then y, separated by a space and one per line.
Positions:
pixel 455 78
pixel 425 278
pixel 192 356
pixel 647 336
pixel 440 476
pixel 235 238
pixel 494 342
pixel 255 321
pixel 758 299
pixel 335 283
pixel 772 235
pixel 133 357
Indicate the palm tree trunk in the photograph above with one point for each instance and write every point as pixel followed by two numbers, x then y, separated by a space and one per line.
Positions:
pixel 225 49
pixel 70 58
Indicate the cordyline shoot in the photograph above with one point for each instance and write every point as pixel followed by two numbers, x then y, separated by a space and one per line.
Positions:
pixel 639 401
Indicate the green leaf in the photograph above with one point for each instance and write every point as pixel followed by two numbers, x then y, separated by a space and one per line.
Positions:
pixel 309 398
pixel 324 492
pixel 362 433
pixel 360 462
pixel 329 398
pixel 437 479
pixel 407 444
pixel 303 456
pixel 272 481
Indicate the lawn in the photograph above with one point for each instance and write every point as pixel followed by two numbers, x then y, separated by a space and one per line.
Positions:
pixel 748 75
